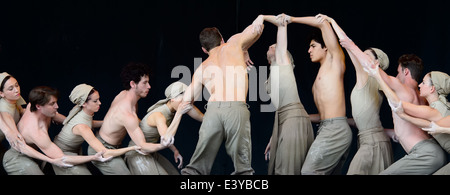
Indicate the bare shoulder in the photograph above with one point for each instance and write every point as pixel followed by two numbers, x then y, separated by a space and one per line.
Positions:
pixel 234 39
pixel 155 117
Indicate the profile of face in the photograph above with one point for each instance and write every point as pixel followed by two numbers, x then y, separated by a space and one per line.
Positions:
pixel 400 73
pixel 426 86
pixel 271 53
pixel 143 87
pixel 370 54
pixel 11 90
pixel 50 109
pixel 93 102
pixel 316 52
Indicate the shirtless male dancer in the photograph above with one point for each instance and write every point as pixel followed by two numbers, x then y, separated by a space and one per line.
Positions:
pixel 330 148
pixel 227 116
pixel 424 154
pixel 122 118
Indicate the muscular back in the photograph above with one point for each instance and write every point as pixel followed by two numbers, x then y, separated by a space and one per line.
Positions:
pixel 225 74
pixel 328 89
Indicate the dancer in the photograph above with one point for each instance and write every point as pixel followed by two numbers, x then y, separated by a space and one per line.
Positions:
pixel 33 126
pixel 121 119
pixel 330 148
pixel 78 127
pixel 227 117
pixel 424 155
pixel 11 111
pixel 434 87
pixel 163 116
pixel 292 130
pixel 374 150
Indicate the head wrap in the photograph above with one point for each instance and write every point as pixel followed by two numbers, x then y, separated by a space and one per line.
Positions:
pixel 78 96
pixel 20 101
pixel 382 58
pixel 441 82
pixel 172 91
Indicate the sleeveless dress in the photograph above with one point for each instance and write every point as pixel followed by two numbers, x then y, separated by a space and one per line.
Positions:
pixel 292 133
pixel 153 163
pixel 374 146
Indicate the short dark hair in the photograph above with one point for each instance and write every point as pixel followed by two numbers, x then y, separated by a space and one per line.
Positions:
pixel 133 71
pixel 316 35
pixel 41 95
pixel 210 38
pixel 414 64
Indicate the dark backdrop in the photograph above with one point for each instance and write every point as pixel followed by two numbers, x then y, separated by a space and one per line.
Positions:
pixel 65 43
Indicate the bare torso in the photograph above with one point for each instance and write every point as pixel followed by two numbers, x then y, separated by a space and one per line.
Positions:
pixel 407 133
pixel 328 90
pixel 113 130
pixel 225 74
pixel 29 126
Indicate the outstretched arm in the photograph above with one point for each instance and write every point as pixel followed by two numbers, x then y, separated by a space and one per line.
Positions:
pixel 440 126
pixel 250 35
pixel 328 35
pixel 53 151
pixel 421 111
pixel 136 134
pixel 87 134
pixel 16 141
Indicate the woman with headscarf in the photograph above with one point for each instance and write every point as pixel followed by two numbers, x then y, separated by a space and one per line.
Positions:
pixel 374 147
pixel 435 87
pixel 78 127
pixel 162 117
pixel 11 111
pixel 292 132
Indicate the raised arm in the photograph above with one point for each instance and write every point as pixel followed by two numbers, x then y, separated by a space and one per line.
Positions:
pixel 356 54
pixel 328 35
pixel 281 52
pixel 250 35
pixel 388 92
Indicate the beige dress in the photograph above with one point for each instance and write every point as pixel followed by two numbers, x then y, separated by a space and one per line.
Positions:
pixel 292 133
pixel 154 163
pixel 71 144
pixel 374 146
pixel 443 139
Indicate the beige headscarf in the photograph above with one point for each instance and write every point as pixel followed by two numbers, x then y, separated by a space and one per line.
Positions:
pixel 78 96
pixel 20 101
pixel 441 82
pixel 382 58
pixel 172 91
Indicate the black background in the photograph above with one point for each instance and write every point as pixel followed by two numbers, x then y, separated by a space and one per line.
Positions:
pixel 65 43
